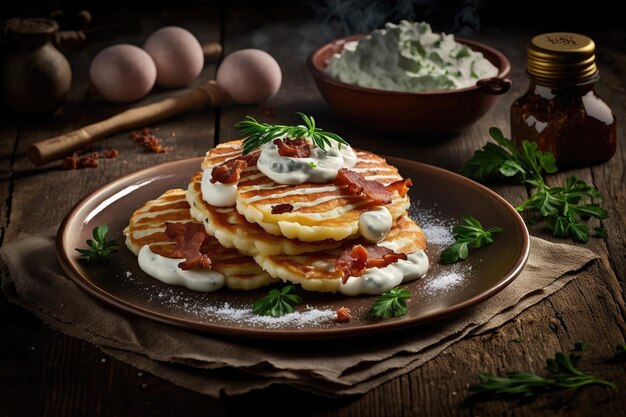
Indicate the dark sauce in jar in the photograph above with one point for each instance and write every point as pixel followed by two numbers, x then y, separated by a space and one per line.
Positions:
pixel 561 112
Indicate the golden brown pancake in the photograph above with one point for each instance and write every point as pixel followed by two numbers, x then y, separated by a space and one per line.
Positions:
pixel 320 211
pixel 316 271
pixel 147 227
pixel 234 231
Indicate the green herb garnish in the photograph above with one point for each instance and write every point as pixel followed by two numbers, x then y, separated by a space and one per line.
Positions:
pixel 257 134
pixel 580 346
pixel 391 303
pixel 517 340
pixel 277 302
pixel 563 375
pixel 100 248
pixel 566 209
pixel 469 234
pixel 620 353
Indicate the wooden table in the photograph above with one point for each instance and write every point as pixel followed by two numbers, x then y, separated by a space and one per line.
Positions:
pixel 43 372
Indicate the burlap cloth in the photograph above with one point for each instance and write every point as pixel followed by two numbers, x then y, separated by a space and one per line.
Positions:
pixel 32 278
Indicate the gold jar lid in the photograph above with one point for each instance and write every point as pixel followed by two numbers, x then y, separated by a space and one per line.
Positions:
pixel 562 56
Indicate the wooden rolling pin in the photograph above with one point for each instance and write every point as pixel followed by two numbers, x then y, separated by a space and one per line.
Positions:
pixel 206 95
pixel 257 78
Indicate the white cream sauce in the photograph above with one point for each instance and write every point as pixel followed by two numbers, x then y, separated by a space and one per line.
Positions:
pixel 379 280
pixel 322 166
pixel 375 224
pixel 217 194
pixel 167 270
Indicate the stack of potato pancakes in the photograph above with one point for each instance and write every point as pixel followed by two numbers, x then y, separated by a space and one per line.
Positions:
pixel 312 234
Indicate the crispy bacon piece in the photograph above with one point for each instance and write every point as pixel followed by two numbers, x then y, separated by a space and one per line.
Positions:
pixel 230 171
pixel 358 185
pixel 343 314
pixel 295 148
pixel 89 160
pixel 191 244
pixel 146 138
pixel 401 186
pixel 282 208
pixel 354 260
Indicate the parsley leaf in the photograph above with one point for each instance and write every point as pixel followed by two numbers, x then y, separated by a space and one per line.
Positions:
pixel 277 302
pixel 469 234
pixel 563 375
pixel 566 209
pixel 100 247
pixel 391 303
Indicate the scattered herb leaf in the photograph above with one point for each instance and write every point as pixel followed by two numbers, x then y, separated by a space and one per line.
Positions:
pixel 563 375
pixel 277 302
pixel 257 134
pixel 100 247
pixel 620 353
pixel 566 209
pixel 517 340
pixel 391 303
pixel 580 346
pixel 469 234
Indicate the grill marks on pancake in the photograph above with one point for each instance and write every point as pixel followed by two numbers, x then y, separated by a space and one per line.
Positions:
pixel 322 200
pixel 228 218
pixel 147 227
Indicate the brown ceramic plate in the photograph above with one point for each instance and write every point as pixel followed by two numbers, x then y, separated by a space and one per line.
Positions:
pixel 440 198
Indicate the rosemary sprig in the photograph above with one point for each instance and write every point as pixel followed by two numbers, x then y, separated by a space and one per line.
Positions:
pixel 257 134
pixel 527 385
pixel 100 247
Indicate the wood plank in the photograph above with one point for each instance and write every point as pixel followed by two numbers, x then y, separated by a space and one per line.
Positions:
pixel 45 372
pixel 64 376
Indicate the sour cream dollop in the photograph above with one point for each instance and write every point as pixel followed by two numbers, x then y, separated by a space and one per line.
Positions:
pixel 217 194
pixel 166 270
pixel 375 224
pixel 322 166
pixel 379 280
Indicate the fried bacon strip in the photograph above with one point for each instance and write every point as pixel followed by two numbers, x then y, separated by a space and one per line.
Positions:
pixel 230 171
pixel 358 185
pixel 282 208
pixel 191 244
pixel 401 186
pixel 295 148
pixel 354 260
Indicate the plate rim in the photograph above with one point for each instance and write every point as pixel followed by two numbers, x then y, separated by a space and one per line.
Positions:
pixel 260 333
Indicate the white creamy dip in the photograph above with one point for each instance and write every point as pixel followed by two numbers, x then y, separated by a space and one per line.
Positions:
pixel 375 224
pixel 167 270
pixel 217 194
pixel 379 280
pixel 409 57
pixel 322 166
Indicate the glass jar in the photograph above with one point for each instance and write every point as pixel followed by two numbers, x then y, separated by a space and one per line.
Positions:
pixel 561 112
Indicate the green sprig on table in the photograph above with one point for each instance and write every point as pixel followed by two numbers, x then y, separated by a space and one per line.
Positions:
pixel 257 134
pixel 391 303
pixel 277 302
pixel 100 247
pixel 563 374
pixel 469 234
pixel 566 209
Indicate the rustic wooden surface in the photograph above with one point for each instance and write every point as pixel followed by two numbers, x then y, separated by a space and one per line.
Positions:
pixel 43 372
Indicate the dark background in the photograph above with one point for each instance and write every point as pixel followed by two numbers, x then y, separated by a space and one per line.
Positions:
pixel 365 15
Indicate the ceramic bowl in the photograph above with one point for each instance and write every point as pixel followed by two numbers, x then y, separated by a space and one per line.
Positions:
pixel 424 113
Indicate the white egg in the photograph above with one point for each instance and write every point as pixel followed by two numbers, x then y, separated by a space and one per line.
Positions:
pixel 177 55
pixel 249 76
pixel 123 73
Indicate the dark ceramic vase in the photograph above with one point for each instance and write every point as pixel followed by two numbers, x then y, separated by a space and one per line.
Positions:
pixel 35 75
